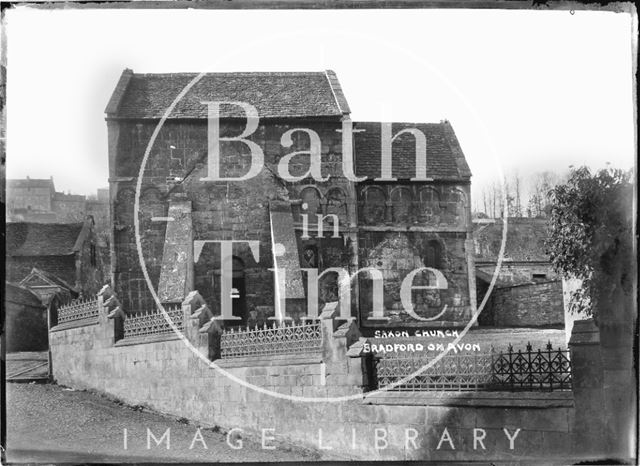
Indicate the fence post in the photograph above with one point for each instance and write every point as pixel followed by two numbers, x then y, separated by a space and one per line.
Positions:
pixel 210 338
pixel 202 330
pixel 328 325
pixel 102 295
pixel 368 363
pixel 337 339
pixel 196 313
pixel 113 310
pixel 549 364
pixel 588 388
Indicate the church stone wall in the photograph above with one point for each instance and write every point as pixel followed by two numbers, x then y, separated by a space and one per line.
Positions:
pixel 220 210
pixel 405 226
pixel 397 254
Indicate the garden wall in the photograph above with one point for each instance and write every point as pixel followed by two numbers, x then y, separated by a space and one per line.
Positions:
pixel 528 304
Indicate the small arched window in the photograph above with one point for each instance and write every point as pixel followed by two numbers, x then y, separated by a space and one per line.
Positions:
pixel 459 201
pixel 401 200
pixel 429 203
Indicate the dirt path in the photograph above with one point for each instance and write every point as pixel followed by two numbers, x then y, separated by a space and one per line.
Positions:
pixel 50 423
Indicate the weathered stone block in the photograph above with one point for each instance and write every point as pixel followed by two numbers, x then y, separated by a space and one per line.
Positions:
pixel 446 415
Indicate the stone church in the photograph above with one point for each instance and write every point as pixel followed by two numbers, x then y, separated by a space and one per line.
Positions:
pixel 287 231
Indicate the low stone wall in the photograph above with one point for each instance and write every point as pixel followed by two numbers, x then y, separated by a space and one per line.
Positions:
pixel 166 375
pixel 531 304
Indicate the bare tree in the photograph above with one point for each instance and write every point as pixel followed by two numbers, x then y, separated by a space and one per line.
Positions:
pixel 517 195
pixel 541 184
pixel 524 195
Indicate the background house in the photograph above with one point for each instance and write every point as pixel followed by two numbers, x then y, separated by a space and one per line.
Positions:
pixel 45 285
pixel 67 252
pixel 528 292
pixel 31 200
pixel 25 320
pixel 36 200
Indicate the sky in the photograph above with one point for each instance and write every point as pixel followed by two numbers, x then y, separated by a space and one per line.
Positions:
pixel 525 91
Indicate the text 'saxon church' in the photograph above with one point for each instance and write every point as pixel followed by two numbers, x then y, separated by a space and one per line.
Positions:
pixel 382 221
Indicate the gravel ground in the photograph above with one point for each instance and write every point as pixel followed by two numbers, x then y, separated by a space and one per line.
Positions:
pixel 50 423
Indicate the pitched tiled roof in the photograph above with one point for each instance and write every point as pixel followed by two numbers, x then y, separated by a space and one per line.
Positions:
pixel 19 295
pixel 43 239
pixel 525 240
pixel 275 95
pixel 445 160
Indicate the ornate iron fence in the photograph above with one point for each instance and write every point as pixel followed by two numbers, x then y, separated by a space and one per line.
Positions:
pixel 546 369
pixel 541 369
pixel 78 310
pixel 153 323
pixel 266 341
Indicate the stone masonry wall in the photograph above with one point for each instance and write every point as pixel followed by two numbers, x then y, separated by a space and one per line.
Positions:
pixel 535 304
pixel 515 274
pixel 29 198
pixel 396 254
pixel 221 210
pixel 167 376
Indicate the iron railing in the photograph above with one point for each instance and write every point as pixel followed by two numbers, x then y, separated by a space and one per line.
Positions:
pixel 266 341
pixel 154 322
pixel 78 310
pixel 540 369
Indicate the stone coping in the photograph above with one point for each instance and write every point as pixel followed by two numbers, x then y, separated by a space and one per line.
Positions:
pixel 523 399
pixel 75 324
pixel 147 339
pixel 273 360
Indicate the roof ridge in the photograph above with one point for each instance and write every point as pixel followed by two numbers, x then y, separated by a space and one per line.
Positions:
pixel 336 90
pixel 275 94
pixel 223 73
pixel 456 149
pixel 440 123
